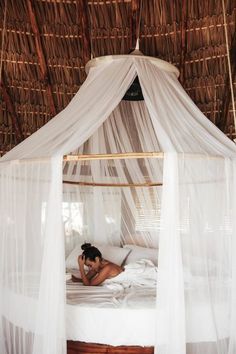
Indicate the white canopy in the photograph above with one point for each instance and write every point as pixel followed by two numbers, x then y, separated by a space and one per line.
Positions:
pixel 195 228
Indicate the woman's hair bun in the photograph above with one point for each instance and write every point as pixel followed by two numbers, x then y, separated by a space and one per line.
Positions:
pixel 85 246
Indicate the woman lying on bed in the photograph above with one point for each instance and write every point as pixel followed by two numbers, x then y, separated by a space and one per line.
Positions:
pixel 99 268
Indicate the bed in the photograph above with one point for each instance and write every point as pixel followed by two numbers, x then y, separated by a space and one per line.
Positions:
pixel 120 315
pixel 110 319
pixel 97 318
pixel 116 313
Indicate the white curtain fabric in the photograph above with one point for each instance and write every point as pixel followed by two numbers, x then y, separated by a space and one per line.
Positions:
pixel 191 217
pixel 125 215
pixel 32 257
pixel 84 221
pixel 99 95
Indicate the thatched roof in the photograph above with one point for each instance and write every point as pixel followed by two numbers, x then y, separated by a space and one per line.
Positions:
pixel 48 42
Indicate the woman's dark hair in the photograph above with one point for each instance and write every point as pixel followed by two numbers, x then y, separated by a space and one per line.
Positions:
pixel 90 251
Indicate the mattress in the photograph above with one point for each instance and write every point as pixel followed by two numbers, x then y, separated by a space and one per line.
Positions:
pixel 127 316
pixel 111 315
pixel 122 311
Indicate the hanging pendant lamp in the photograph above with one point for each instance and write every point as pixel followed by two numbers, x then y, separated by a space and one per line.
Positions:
pixel 134 92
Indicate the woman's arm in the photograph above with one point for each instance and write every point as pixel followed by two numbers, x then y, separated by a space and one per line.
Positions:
pixel 91 273
pixel 101 276
pixel 95 280
pixel 75 279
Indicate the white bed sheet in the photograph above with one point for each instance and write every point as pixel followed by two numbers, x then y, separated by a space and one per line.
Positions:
pixel 128 317
pixel 116 313
pixel 111 316
pixel 121 312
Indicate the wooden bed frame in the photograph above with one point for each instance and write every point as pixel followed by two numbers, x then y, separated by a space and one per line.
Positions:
pixel 75 347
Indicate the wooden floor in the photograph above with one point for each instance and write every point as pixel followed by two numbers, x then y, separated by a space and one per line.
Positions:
pixel 89 348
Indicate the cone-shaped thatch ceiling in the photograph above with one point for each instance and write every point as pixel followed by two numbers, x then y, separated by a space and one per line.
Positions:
pixel 45 45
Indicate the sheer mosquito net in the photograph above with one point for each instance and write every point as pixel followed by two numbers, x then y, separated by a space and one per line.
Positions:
pixel 181 203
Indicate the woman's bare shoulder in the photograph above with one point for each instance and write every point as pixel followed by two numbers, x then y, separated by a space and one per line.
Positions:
pixel 112 269
pixel 111 265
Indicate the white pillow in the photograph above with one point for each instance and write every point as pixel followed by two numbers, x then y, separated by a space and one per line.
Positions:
pixel 138 252
pixel 72 259
pixel 113 254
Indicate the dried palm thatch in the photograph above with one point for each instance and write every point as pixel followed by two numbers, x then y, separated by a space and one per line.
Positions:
pixel 48 42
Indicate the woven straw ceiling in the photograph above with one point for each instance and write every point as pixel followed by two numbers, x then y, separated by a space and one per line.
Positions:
pixel 48 42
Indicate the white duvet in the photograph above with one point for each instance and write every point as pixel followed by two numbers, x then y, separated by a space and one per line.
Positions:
pixel 126 289
pixel 124 304
pixel 142 272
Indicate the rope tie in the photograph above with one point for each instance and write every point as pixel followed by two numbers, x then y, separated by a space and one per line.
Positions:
pixel 139 24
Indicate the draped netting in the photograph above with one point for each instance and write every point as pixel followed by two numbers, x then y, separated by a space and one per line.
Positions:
pixel 189 217
pixel 125 215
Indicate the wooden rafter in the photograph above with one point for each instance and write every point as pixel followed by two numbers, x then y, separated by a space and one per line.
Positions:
pixel 98 184
pixel 183 40
pixel 84 20
pixel 115 156
pixel 10 107
pixel 132 155
pixel 41 56
pixel 223 123
pixel 135 8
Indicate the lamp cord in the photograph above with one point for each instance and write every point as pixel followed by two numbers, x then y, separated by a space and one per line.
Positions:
pixel 139 25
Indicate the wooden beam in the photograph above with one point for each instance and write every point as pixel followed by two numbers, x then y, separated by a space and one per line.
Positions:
pixel 83 13
pixel 135 12
pixel 133 155
pixel 183 41
pixel 42 61
pixel 130 185
pixel 224 120
pixel 10 108
pixel 125 156
pixel 117 156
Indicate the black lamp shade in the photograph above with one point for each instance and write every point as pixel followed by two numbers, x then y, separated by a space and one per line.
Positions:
pixel 134 93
